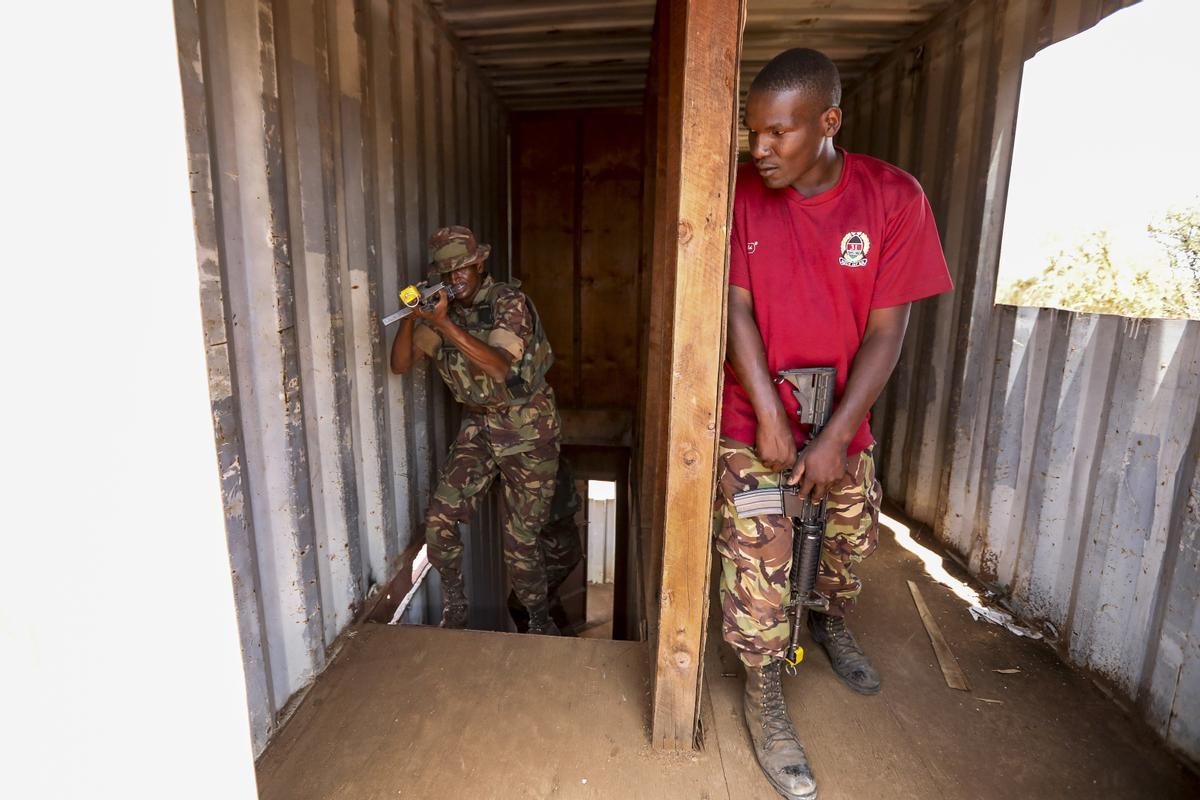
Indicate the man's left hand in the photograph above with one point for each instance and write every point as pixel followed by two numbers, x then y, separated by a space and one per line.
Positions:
pixel 820 466
pixel 438 315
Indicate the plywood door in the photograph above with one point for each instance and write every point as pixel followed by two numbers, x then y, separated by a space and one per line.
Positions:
pixel 577 183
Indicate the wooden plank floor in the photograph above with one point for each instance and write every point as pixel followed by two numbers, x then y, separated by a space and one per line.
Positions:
pixel 1053 735
pixel 412 712
pixel 418 712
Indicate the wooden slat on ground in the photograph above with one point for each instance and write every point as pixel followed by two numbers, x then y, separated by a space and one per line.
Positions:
pixel 945 656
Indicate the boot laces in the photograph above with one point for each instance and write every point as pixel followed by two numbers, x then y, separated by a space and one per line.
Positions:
pixel 776 723
pixel 835 630
pixel 539 619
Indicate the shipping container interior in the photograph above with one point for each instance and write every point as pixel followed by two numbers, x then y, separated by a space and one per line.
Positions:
pixel 591 143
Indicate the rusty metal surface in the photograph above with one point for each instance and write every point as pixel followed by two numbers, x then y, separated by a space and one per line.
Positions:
pixel 1055 452
pixel 325 141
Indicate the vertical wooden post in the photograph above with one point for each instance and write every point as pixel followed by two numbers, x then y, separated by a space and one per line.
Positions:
pixel 702 59
pixel 660 283
pixel 621 588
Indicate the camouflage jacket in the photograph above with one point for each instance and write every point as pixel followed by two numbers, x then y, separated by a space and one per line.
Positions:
pixel 520 413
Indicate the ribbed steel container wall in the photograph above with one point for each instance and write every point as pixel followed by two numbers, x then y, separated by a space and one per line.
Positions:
pixel 326 140
pixel 1055 452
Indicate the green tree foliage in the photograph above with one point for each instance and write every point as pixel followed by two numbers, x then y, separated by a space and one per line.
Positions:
pixel 1179 234
pixel 1084 278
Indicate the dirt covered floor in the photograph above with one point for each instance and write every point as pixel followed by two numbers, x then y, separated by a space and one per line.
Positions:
pixel 416 712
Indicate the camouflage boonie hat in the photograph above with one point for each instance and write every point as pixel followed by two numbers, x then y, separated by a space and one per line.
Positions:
pixel 455 247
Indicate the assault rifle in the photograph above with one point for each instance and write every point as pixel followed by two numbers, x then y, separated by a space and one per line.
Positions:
pixel 419 294
pixel 813 388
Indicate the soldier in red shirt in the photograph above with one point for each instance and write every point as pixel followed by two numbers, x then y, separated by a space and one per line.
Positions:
pixel 827 252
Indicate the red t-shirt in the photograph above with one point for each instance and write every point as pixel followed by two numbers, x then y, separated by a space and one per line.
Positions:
pixel 817 266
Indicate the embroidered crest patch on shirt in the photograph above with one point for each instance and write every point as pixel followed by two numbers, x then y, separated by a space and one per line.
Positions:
pixel 855 246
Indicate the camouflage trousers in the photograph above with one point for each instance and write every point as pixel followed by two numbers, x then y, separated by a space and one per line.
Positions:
pixel 756 553
pixel 562 548
pixel 528 480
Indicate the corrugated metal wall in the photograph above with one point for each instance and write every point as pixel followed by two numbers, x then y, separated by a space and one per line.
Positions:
pixel 1056 452
pixel 326 140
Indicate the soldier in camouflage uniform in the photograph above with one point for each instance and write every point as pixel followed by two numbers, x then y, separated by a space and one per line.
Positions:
pixel 492 353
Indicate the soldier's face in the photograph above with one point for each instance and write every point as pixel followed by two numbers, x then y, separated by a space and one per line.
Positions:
pixel 466 280
pixel 787 133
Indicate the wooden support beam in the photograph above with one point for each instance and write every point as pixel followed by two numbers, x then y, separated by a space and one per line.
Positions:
pixel 602 427
pixel 478 12
pixel 631 88
pixel 513 78
pixel 624 599
pixel 555 55
pixel 659 283
pixel 702 60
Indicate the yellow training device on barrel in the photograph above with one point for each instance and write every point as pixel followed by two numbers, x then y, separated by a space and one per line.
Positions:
pixel 421 294
pixel 410 296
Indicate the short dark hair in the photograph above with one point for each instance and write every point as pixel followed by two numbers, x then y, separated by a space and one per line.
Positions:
pixel 804 69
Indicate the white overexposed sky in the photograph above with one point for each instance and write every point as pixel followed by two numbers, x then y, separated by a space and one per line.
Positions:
pixel 1108 136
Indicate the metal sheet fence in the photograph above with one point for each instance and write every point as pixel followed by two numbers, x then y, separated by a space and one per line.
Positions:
pixel 1055 452
pixel 326 140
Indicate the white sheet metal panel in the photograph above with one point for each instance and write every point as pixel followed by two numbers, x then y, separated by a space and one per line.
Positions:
pixel 259 295
pixel 310 131
pixel 1055 452
pixel 305 97
pixel 602 539
pixel 231 456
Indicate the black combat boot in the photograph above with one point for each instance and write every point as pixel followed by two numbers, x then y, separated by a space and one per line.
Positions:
pixel 848 660
pixel 779 751
pixel 540 621
pixel 454 602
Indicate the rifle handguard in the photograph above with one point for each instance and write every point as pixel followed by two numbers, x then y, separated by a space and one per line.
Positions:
pixel 418 295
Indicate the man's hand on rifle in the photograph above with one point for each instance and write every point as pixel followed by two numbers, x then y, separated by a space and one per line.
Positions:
pixel 440 313
pixel 775 445
pixel 820 466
